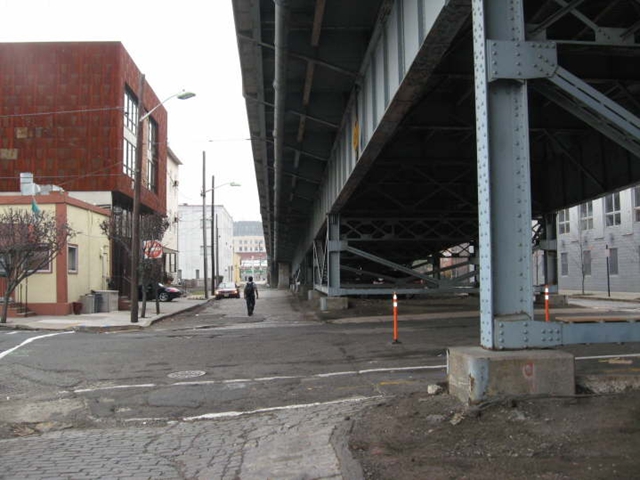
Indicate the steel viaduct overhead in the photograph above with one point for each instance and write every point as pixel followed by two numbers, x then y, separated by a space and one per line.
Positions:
pixel 387 132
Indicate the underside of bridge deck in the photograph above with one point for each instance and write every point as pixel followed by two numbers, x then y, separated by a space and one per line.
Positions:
pixel 375 124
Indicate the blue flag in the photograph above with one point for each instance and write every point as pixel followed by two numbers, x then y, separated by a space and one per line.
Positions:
pixel 34 206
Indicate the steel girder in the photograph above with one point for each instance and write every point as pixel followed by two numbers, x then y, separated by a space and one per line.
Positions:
pixel 504 63
pixel 348 249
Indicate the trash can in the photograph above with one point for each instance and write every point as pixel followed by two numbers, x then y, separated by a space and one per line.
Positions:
pixel 77 307
pixel 99 301
pixel 88 304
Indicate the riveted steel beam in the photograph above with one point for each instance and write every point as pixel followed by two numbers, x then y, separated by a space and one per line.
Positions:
pixel 504 184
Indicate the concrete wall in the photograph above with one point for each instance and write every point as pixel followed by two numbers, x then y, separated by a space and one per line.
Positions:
pixel 93 253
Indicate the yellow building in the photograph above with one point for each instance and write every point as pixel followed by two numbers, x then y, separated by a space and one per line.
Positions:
pixel 81 267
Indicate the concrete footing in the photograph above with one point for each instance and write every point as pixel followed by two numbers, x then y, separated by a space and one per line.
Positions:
pixel 313 295
pixel 334 303
pixel 555 300
pixel 476 374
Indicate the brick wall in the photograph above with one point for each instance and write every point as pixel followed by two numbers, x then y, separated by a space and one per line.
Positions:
pixel 80 146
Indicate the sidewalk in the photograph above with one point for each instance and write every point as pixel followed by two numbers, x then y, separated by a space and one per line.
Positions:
pixel 599 295
pixel 116 320
pixel 120 320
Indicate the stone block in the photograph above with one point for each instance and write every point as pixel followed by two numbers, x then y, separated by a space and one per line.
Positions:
pixel 313 295
pixel 334 303
pixel 476 374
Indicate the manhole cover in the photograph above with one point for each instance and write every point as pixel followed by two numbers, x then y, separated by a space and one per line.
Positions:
pixel 187 374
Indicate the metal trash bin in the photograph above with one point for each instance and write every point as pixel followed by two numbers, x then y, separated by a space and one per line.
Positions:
pixel 88 304
pixel 99 302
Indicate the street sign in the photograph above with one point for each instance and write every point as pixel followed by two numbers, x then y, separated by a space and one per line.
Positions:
pixel 152 249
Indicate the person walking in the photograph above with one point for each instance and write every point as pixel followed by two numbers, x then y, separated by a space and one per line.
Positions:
pixel 250 295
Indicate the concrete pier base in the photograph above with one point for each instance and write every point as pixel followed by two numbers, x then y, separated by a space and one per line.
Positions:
pixel 476 374
pixel 313 295
pixel 555 300
pixel 334 303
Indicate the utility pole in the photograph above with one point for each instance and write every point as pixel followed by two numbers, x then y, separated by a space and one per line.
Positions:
pixel 204 226
pixel 135 214
pixel 608 271
pixel 214 260
pixel 217 243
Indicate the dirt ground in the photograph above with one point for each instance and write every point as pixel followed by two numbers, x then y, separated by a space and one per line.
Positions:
pixel 436 437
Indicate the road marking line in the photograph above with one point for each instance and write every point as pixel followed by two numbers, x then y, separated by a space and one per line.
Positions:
pixel 300 377
pixel 231 414
pixel 262 379
pixel 29 340
pixel 596 357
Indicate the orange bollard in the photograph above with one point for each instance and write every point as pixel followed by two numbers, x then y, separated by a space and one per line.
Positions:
pixel 395 319
pixel 546 304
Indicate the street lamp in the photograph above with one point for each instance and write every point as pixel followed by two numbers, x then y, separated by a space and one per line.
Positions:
pixel 214 242
pixel 137 186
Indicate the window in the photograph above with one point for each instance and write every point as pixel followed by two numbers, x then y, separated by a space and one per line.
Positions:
pixel 130 111
pixel 72 259
pixel 129 158
pixel 564 264
pixel 586 216
pixel 612 209
pixel 636 202
pixel 613 261
pixel 564 221
pixel 152 156
pixel 36 262
pixel 586 262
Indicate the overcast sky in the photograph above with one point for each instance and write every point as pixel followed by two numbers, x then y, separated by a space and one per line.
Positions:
pixel 189 45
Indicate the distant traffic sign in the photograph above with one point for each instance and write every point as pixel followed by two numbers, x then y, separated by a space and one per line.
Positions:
pixel 152 249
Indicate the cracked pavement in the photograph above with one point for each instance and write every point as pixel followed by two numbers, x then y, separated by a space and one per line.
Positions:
pixel 294 443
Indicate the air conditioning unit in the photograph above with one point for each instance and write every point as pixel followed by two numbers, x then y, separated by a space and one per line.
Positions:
pixel 176 183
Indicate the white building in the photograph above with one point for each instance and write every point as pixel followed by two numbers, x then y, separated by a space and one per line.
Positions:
pixel 170 239
pixel 599 242
pixel 250 251
pixel 191 243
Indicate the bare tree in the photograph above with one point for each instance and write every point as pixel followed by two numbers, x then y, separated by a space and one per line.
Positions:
pixel 584 256
pixel 29 241
pixel 152 227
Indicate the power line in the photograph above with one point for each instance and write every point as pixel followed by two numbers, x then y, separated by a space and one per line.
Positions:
pixel 72 178
pixel 61 112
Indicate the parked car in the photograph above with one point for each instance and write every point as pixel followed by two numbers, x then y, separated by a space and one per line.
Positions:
pixel 227 290
pixel 165 293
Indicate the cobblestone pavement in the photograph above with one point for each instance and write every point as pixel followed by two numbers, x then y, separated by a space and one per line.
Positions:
pixel 288 443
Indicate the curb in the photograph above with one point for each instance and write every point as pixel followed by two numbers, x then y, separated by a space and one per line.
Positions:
pixel 105 328
pixel 607 299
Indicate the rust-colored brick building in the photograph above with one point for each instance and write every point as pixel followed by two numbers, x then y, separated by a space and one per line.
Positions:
pixel 64 116
pixel 68 114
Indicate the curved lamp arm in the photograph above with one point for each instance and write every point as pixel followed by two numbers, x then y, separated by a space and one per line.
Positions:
pixel 181 96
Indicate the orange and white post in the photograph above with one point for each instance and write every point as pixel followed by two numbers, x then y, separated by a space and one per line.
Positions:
pixel 395 319
pixel 546 303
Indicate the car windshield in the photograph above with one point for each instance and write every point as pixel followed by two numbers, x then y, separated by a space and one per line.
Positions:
pixel 227 285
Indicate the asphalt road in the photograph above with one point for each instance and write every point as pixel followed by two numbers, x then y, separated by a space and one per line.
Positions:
pixel 221 360
pixel 214 365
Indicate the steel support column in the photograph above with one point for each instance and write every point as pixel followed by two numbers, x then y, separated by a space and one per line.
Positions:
pixel 504 190
pixel 550 249
pixel 333 252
